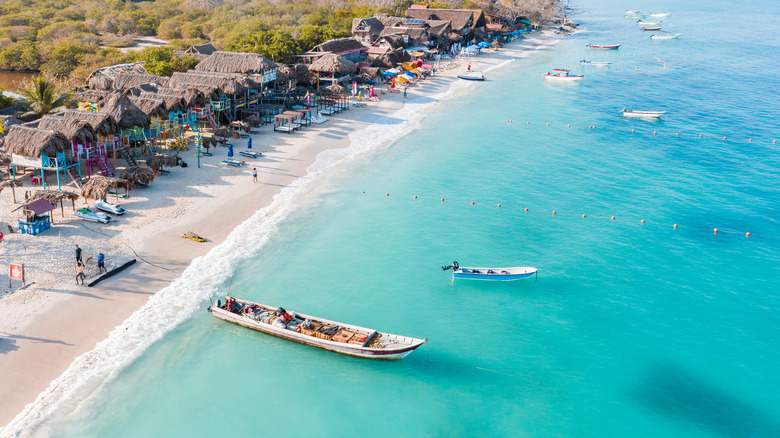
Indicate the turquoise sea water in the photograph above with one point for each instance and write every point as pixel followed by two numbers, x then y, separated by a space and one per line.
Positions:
pixel 630 329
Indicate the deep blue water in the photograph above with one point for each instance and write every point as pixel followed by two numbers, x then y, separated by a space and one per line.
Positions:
pixel 630 330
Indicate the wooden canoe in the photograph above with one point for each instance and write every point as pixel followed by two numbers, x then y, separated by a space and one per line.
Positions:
pixel 352 340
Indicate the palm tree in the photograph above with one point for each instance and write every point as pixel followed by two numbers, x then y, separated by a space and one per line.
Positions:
pixel 44 96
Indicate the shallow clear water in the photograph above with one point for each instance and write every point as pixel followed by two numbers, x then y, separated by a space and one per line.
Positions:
pixel 631 329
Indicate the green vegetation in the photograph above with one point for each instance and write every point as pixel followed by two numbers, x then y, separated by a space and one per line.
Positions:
pixel 5 101
pixel 70 38
pixel 44 96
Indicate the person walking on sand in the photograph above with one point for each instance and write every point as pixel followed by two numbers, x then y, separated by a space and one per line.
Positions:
pixel 79 273
pixel 101 263
pixel 254 174
pixel 404 92
pixel 78 254
pixel 468 67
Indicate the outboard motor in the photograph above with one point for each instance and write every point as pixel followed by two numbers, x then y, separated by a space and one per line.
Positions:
pixel 454 266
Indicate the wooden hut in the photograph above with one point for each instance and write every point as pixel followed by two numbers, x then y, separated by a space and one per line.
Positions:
pixel 128 80
pixel 103 78
pixel 101 123
pixel 124 112
pixel 150 106
pixel 72 128
pixel 39 149
pixel 332 63
pixel 236 62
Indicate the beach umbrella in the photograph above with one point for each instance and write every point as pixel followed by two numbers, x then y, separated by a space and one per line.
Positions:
pixel 98 186
pixel 224 132
pixel 138 175
pixel 249 142
pixel 13 184
pixel 254 121
pixel 230 150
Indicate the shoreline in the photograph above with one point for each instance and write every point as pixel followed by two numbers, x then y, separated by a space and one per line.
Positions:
pixel 126 305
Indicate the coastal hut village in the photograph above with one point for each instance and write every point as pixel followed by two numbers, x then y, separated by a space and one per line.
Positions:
pixel 129 125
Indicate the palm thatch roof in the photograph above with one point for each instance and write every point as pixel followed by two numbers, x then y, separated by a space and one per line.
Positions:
pixel 54 196
pixel 339 45
pixel 391 59
pixel 302 74
pixel 98 186
pixel 126 114
pixel 214 82
pixel 138 174
pixel 12 183
pixel 99 122
pixel 247 80
pixel 332 63
pixel 458 18
pixel 88 95
pixel 157 162
pixel 103 78
pixel 31 142
pixel 191 95
pixel 254 121
pixel 333 89
pixel 138 89
pixel 150 106
pixel 224 132
pixel 235 62
pixel 201 49
pixel 369 72
pixel 127 80
pixel 8 121
pixel 172 102
pixel 72 128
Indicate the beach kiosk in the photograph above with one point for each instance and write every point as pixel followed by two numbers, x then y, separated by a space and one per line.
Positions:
pixel 33 220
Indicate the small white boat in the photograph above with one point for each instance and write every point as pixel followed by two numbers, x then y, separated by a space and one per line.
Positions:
pixel 111 208
pixel 634 14
pixel 648 23
pixel 671 36
pixel 562 75
pixel 604 46
pixel 472 76
pixel 328 335
pixel 92 216
pixel 595 63
pixel 642 114
pixel 490 274
pixel 660 14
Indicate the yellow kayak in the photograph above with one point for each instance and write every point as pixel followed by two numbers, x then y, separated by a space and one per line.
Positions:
pixel 192 236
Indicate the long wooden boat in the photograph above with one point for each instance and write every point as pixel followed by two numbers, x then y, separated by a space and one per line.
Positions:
pixel 562 75
pixel 317 332
pixel 643 114
pixel 651 29
pixel 604 46
pixel 490 274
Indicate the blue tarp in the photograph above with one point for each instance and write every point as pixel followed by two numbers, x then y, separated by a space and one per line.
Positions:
pixel 387 73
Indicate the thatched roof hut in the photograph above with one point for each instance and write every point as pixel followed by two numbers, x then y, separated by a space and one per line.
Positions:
pixel 54 196
pixel 31 142
pixel 157 162
pixel 150 106
pixel 127 80
pixel 235 62
pixel 138 89
pixel 98 186
pixel 172 102
pixel 191 95
pixel 254 121
pixel 99 122
pixel 214 82
pixel 72 128
pixel 103 78
pixel 13 184
pixel 333 89
pixel 224 132
pixel 126 114
pixel 138 174
pixel 95 96
pixel 332 63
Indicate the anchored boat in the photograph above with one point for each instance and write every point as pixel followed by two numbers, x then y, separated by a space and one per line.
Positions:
pixel 648 23
pixel 670 36
pixel 490 274
pixel 604 46
pixel 562 75
pixel 596 63
pixel 317 332
pixel 642 114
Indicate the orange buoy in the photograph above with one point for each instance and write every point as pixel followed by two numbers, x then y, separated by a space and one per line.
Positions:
pixel 774 141
pixel 499 205
pixel 724 138
pixel 643 221
pixel 553 213
pixel 472 202
pixel 701 135
pixel 415 196
pixel 387 194
pixel 442 199
pixel 678 134
pixel 632 130
pixel 526 209
pixel 529 123
pixel 568 126
pixel 364 191
pixel 750 140
pixel 583 216
pixel 613 218
pixel 715 231
pixel 548 123
pixel 675 226
pixel 655 132
pixel 747 234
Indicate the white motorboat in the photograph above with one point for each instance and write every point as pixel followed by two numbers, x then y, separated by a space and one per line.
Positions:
pixel 648 23
pixel 490 274
pixel 595 63
pixel 671 36
pixel 659 14
pixel 472 76
pixel 642 114
pixel 106 206
pixel 562 75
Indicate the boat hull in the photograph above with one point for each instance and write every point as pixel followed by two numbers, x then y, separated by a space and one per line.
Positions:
pixel 465 273
pixel 643 114
pixel 473 76
pixel 555 78
pixel 665 37
pixel 604 47
pixel 354 350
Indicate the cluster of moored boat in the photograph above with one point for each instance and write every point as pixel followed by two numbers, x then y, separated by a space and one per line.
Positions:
pixel 652 23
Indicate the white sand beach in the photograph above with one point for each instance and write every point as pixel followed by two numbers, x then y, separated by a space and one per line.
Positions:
pixel 47 325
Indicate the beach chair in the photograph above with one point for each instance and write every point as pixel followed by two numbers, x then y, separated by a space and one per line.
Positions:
pixel 234 163
pixel 250 154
